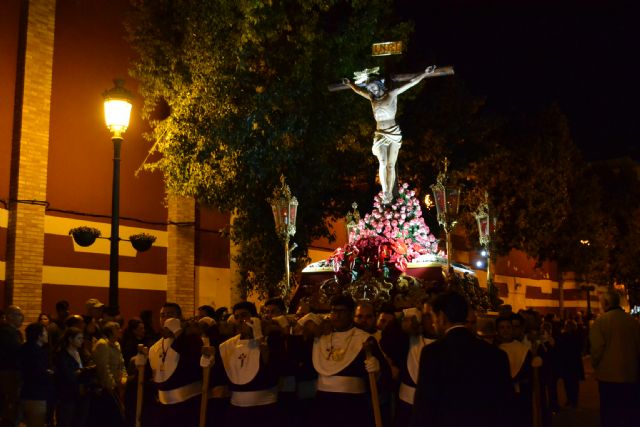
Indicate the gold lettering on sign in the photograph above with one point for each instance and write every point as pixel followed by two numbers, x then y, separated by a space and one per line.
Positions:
pixel 386 48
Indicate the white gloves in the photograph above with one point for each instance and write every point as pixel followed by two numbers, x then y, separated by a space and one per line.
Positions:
pixel 206 361
pixel 310 317
pixel 536 362
pixel 408 312
pixel 372 365
pixel 256 326
pixel 282 321
pixel 140 359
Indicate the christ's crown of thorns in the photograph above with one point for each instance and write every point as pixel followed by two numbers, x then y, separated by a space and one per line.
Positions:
pixel 361 77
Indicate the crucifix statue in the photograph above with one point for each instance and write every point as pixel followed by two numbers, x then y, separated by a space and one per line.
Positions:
pixel 384 102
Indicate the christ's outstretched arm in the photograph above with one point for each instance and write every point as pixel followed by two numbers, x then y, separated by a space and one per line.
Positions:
pixel 414 81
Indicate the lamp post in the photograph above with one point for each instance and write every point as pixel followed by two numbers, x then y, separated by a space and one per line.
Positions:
pixel 117 111
pixel 447 201
pixel 285 210
pixel 588 288
pixel 352 220
pixel 484 220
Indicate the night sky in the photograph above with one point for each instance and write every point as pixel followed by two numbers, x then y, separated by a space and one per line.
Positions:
pixel 524 56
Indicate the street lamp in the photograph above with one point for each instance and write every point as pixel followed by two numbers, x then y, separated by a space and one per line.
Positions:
pixel 352 220
pixel 485 222
pixel 447 201
pixel 117 110
pixel 285 210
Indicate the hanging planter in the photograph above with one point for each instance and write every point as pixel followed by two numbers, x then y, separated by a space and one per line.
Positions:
pixel 84 236
pixel 142 242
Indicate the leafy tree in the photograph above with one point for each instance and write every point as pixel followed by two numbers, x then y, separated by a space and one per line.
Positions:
pixel 236 94
pixel 528 178
pixel 244 86
pixel 582 243
pixel 526 162
pixel 620 183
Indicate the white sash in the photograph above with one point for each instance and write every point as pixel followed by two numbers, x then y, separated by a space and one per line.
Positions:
pixel 163 359
pixel 247 399
pixel 340 384
pixel 416 343
pixel 334 352
pixel 517 353
pixel 241 359
pixel 406 393
pixel 180 394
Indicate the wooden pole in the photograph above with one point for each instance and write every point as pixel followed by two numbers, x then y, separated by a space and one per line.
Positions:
pixel 206 351
pixel 536 363
pixel 373 385
pixel 139 395
pixel 537 419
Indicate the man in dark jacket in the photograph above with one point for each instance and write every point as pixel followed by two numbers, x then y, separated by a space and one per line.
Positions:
pixel 10 341
pixel 37 376
pixel 615 352
pixel 462 380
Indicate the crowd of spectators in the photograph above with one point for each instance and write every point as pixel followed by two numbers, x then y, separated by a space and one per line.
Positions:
pixel 81 369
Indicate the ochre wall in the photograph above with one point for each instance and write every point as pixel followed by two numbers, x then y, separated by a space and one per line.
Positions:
pixel 9 25
pixel 9 30
pixel 90 51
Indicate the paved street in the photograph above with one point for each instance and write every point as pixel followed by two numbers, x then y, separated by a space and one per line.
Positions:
pixel 588 412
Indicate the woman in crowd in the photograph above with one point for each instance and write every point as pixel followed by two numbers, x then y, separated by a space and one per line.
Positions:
pixel 112 376
pixel 73 374
pixel 36 375
pixel 150 334
pixel 134 335
pixel 44 319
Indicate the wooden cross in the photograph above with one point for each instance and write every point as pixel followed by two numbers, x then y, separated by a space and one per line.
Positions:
pixel 439 71
pixel 242 357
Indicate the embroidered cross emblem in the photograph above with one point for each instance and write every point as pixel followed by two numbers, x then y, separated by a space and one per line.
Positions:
pixel 242 357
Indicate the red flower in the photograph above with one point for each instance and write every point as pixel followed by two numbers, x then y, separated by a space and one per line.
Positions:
pixel 400 247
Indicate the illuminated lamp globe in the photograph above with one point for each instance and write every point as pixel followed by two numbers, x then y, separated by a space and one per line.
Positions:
pixel 117 108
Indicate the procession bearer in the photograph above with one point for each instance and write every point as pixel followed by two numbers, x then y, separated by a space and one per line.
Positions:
pixel 175 363
pixel 252 363
pixel 343 359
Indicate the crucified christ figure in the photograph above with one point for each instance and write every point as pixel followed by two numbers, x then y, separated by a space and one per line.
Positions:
pixel 387 138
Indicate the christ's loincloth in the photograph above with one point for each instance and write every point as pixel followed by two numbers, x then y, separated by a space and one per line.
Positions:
pixel 383 138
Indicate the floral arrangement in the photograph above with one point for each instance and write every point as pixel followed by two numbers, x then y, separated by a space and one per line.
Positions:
pixel 142 241
pixel 385 240
pixel 85 236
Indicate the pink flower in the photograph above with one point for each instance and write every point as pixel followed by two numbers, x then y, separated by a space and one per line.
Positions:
pixel 401 264
pixel 391 235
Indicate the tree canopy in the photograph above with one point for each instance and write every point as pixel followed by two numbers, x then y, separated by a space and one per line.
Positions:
pixel 244 86
pixel 236 94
